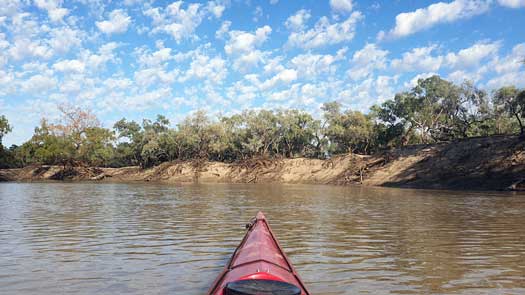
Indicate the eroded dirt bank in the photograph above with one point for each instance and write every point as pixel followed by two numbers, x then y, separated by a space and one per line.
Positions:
pixel 489 163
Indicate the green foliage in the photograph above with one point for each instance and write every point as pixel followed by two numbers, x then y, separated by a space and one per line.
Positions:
pixel 351 131
pixel 97 146
pixel 438 110
pixel 510 101
pixel 141 145
pixel 45 147
pixel 6 158
pixel 296 132
pixel 434 110
pixel 4 127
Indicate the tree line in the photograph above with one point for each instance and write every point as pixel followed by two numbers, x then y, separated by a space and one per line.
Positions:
pixel 435 110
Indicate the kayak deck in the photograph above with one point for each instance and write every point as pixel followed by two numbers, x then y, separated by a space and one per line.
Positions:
pixel 258 257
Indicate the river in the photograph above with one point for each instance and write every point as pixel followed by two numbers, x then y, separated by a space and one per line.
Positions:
pixel 105 238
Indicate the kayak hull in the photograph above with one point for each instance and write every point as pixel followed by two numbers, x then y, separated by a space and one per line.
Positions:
pixel 258 257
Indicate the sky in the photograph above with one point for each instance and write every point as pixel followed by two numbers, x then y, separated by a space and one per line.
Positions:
pixel 136 59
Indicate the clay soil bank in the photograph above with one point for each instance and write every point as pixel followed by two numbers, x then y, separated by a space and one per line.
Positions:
pixel 485 163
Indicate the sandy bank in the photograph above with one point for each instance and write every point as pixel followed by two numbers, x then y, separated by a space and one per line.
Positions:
pixel 489 163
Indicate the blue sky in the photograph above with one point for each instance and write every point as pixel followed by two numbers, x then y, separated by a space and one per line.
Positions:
pixel 136 59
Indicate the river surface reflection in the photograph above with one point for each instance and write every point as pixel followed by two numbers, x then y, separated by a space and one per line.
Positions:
pixel 103 238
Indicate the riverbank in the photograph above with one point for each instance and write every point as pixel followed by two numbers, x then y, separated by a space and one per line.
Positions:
pixel 486 163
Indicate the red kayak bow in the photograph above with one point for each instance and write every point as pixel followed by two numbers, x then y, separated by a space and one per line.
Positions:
pixel 259 266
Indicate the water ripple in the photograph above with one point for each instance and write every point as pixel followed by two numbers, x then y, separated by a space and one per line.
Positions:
pixel 85 238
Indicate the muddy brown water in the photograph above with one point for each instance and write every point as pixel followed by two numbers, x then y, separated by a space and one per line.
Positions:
pixel 103 238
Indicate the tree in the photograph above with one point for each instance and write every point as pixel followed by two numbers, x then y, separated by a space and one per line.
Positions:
pixel 296 132
pixel 4 128
pixel 47 147
pixel 235 137
pixel 74 123
pixel 319 146
pixel 511 101
pixel 261 133
pixel 434 110
pixel 196 136
pixel 351 131
pixel 471 112
pixel 143 145
pixel 152 152
pixel 5 155
pixel 97 146
pixel 130 148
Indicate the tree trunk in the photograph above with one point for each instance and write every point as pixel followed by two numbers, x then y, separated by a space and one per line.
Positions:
pixel 522 128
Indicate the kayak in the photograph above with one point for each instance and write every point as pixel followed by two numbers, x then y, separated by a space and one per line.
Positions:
pixel 258 266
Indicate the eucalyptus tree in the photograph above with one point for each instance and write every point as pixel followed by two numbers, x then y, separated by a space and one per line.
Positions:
pixel 296 131
pixel 434 110
pixel 262 133
pixel 6 157
pixel 510 101
pixel 152 151
pixel 348 131
pixel 74 123
pixel 46 146
pixel 236 137
pixel 97 147
pixel 5 128
pixel 129 147
pixel 471 113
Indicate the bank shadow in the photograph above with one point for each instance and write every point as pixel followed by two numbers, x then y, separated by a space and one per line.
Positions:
pixel 481 163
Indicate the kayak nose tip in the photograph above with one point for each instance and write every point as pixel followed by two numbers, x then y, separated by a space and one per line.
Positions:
pixel 260 215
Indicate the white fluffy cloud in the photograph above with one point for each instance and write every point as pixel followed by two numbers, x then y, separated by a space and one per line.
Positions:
pixel 512 62
pixel 298 21
pixel 341 6
pixel 285 76
pixel 408 23
pixel 156 58
pixel 507 79
pixel 242 93
pixel 326 33
pixel 105 54
pixel 150 76
pixel 140 100
pixel 424 59
pixel 418 59
pixel 207 68
pixel 23 48
pixel 361 96
pixel 72 65
pixel 216 8
pixel 180 22
pixel 223 29
pixel 249 60
pixel 242 46
pixel 9 7
pixel 53 8
pixel 118 22
pixel 512 3
pixel 39 83
pixel 6 83
pixel 63 39
pixel 241 41
pixel 366 60
pixel 473 55
pixel 183 21
pixel 510 69
pixel 313 65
